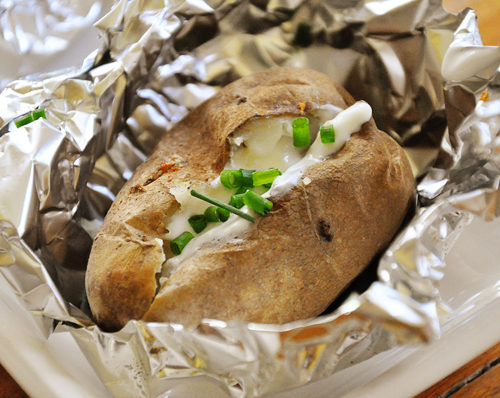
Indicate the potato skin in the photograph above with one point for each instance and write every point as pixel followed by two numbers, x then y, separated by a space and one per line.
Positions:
pixel 294 261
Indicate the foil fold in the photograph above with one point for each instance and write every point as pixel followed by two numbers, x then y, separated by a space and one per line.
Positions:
pixel 160 60
pixel 37 35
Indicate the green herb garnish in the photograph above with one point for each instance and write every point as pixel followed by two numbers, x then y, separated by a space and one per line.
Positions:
pixel 237 200
pixel 242 190
pixel 246 178
pixel 257 203
pixel 301 137
pixel 264 177
pixel 231 178
pixel 177 245
pixel 216 202
pixel 303 36
pixel 30 117
pixel 216 214
pixel 327 134
pixel 198 222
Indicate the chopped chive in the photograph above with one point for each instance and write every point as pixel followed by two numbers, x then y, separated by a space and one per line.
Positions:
pixel 223 214
pixel 231 178
pixel 257 203
pixel 266 187
pixel 24 120
pixel 38 113
pixel 301 137
pixel 211 214
pixel 237 200
pixel 198 222
pixel 28 118
pixel 216 214
pixel 264 177
pixel 241 190
pixel 327 134
pixel 303 36
pixel 246 178
pixel 177 245
pixel 223 205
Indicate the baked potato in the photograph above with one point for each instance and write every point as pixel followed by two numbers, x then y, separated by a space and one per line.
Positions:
pixel 329 216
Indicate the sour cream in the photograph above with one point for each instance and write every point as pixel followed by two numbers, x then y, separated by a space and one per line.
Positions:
pixel 345 124
pixel 246 153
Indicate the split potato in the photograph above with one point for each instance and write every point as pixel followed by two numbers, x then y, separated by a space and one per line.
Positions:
pixel 328 220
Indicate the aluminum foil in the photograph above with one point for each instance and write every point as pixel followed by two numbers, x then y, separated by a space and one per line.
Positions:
pixel 40 35
pixel 410 60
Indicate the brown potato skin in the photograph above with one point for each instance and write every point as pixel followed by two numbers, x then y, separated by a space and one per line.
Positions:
pixel 294 261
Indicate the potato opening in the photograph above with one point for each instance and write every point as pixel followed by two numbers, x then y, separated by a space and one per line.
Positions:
pixel 260 144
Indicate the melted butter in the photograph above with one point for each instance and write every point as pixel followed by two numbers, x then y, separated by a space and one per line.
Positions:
pixel 261 144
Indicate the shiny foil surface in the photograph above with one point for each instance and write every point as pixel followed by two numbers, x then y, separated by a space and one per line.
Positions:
pixel 159 59
pixel 39 36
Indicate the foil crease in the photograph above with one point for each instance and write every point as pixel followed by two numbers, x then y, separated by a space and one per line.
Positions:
pixel 162 58
pixel 33 33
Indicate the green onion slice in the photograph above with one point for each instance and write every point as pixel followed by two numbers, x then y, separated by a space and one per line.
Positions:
pixel 246 178
pixel 198 222
pixel 231 178
pixel 327 134
pixel 216 214
pixel 223 205
pixel 301 137
pixel 237 200
pixel 38 113
pixel 303 36
pixel 257 203
pixel 28 118
pixel 223 214
pixel 264 177
pixel 24 120
pixel 242 190
pixel 177 245
pixel 211 214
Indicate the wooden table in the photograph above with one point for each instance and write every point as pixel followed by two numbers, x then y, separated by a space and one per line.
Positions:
pixel 480 378
pixel 8 387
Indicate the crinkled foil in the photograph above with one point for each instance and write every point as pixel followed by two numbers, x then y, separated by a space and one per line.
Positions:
pixel 410 60
pixel 39 35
